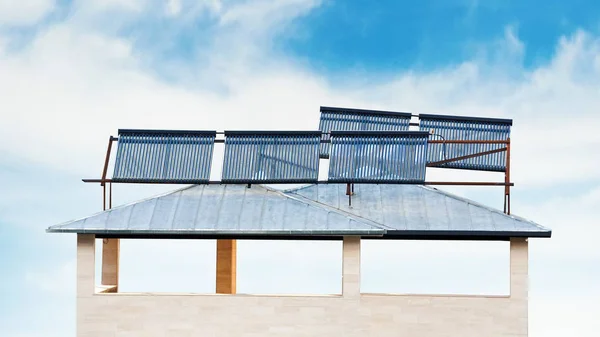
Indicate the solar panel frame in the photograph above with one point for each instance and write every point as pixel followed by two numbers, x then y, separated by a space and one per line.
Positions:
pixel 398 157
pixel 271 157
pixel 164 156
pixel 467 128
pixel 347 119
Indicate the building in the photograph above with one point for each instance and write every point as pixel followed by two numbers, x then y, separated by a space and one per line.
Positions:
pixel 372 204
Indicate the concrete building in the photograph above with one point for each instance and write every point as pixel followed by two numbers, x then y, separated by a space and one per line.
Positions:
pixel 232 212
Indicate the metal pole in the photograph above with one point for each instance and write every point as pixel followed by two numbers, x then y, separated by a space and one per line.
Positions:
pixel 104 171
pixel 349 194
pixel 507 179
pixel 107 159
pixel 104 197
pixel 323 182
pixel 451 141
pixel 474 155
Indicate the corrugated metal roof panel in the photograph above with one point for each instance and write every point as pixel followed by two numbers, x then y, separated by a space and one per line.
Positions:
pixel 223 209
pixel 315 210
pixel 417 208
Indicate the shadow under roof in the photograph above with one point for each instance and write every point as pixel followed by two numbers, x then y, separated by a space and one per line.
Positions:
pixel 311 212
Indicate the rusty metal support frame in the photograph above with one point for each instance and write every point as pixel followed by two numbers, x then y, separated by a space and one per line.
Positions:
pixel 324 182
pixel 478 154
pixel 507 179
pixel 103 182
pixel 349 193
pixel 456 141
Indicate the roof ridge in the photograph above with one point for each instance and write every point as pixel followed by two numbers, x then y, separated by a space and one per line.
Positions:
pixel 478 204
pixel 315 203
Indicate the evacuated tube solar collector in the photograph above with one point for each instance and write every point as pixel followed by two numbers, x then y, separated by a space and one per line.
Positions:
pixel 367 146
pixel 378 157
pixel 164 156
pixel 467 129
pixel 271 157
pixel 345 119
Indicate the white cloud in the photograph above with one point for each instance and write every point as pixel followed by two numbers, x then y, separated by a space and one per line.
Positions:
pixel 190 8
pixel 173 7
pixel 87 85
pixel 515 45
pixel 24 12
pixel 573 219
pixel 553 107
pixel 92 6
pixel 259 14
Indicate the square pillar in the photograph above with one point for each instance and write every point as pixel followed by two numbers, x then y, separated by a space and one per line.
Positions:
pixel 86 265
pixel 226 266
pixel 110 262
pixel 351 267
pixel 519 284
pixel 519 268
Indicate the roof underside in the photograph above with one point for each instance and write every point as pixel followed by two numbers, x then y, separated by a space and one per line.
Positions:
pixel 312 212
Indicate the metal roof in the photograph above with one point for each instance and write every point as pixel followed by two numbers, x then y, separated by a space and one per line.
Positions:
pixel 315 211
pixel 416 211
pixel 229 209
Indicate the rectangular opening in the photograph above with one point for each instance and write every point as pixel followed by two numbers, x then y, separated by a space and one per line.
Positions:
pixel 289 267
pixel 435 267
pixel 164 266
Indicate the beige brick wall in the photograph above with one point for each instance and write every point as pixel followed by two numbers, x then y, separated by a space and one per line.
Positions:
pixel 352 314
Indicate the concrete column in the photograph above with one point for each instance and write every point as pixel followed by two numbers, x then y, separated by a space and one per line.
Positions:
pixel 519 284
pixel 519 268
pixel 110 262
pixel 86 265
pixel 351 267
pixel 226 266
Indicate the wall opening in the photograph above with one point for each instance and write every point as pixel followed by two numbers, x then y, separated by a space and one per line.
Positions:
pixel 166 266
pixel 435 267
pixel 289 267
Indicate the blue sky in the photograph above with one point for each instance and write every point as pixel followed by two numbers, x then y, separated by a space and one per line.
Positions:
pixel 335 37
pixel 397 35
pixel 73 72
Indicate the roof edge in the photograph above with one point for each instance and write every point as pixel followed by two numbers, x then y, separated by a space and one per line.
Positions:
pixel 219 233
pixel 478 235
pixel 315 235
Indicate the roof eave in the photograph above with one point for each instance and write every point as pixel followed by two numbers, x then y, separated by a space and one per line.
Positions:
pixel 472 235
pixel 467 235
pixel 218 233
